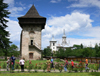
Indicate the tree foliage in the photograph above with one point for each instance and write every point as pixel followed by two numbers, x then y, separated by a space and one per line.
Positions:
pixel 4 40
pixel 78 51
pixel 47 52
pixel 12 50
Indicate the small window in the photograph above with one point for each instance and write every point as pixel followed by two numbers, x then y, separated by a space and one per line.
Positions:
pixel 53 44
pixel 53 47
pixel 31 42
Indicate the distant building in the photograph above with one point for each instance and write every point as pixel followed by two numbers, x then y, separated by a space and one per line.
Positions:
pixel 54 46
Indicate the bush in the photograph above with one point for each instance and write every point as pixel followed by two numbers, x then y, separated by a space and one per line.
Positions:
pixel 69 67
pixel 45 67
pixel 4 65
pixel 81 66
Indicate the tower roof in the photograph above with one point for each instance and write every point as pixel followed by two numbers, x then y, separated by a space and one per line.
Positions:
pixel 32 13
pixel 53 39
pixel 32 18
pixel 64 34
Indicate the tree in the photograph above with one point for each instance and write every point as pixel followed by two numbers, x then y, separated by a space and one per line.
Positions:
pixel 4 40
pixel 69 52
pixel 60 53
pixel 77 46
pixel 81 46
pixel 13 50
pixel 96 49
pixel 47 52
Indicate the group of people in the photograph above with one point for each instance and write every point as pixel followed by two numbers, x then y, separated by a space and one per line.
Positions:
pixel 50 63
pixel 72 64
pixel 11 62
pixel 65 64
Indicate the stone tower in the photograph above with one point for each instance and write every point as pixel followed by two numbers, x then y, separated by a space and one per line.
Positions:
pixel 30 43
pixel 64 39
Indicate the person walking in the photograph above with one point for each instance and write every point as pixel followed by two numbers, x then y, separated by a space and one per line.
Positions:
pixel 86 61
pixel 72 64
pixel 21 62
pixel 65 65
pixel 8 63
pixel 13 61
pixel 52 64
pixel 48 65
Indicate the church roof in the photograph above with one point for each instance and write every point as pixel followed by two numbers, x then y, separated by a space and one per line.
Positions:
pixel 53 39
pixel 32 13
pixel 64 34
pixel 66 46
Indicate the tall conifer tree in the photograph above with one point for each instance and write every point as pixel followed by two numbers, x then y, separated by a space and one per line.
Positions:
pixel 4 40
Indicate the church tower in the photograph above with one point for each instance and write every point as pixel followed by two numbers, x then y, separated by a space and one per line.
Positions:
pixel 64 39
pixel 53 44
pixel 30 41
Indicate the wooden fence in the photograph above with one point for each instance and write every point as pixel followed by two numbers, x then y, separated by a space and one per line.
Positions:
pixel 90 59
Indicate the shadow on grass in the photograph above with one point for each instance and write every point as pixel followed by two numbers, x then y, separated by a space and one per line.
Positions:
pixel 95 73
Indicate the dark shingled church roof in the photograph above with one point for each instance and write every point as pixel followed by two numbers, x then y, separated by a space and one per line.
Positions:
pixel 32 13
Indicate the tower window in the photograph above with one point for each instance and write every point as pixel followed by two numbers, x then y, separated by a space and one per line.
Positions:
pixel 53 47
pixel 31 42
pixel 53 44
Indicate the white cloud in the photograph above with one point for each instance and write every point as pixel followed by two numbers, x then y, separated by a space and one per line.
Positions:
pixel 15 11
pixel 55 1
pixel 85 42
pixel 14 30
pixel 93 32
pixel 75 24
pixel 86 3
pixel 70 23
pixel 10 2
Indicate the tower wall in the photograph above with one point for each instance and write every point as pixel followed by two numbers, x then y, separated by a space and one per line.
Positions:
pixel 31 33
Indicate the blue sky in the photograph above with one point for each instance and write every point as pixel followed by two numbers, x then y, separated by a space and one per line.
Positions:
pixel 79 18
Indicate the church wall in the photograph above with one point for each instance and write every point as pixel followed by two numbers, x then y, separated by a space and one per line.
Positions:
pixel 53 48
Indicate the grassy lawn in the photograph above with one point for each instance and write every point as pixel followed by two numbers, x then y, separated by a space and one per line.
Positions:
pixel 51 74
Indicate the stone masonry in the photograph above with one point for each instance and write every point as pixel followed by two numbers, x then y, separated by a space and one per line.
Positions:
pixel 32 24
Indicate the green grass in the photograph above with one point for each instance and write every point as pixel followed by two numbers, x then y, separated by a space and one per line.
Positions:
pixel 2 60
pixel 50 74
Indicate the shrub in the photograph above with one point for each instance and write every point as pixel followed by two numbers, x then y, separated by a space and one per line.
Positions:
pixel 45 67
pixel 30 66
pixel 69 67
pixel 75 68
pixel 17 66
pixel 35 68
pixel 81 66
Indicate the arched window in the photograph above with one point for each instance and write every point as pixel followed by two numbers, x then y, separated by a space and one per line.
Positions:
pixel 31 42
pixel 53 44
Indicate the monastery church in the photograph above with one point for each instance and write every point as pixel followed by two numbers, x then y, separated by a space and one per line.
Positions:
pixel 54 46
